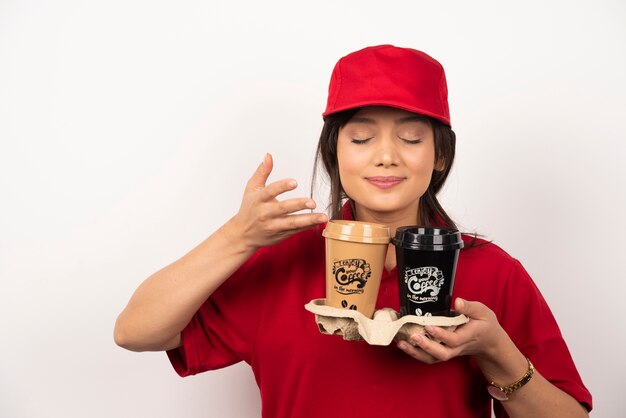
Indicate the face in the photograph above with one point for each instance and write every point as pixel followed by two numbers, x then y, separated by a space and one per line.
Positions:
pixel 386 158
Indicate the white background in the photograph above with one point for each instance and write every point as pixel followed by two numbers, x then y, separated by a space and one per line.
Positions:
pixel 128 129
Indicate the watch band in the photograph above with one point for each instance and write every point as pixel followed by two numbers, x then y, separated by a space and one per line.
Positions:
pixel 501 393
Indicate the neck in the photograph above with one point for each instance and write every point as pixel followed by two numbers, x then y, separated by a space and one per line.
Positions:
pixel 393 220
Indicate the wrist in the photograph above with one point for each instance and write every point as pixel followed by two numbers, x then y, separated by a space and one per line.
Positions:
pixel 502 361
pixel 233 236
pixel 501 392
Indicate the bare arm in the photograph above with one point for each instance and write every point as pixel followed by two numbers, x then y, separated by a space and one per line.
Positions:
pixel 499 360
pixel 165 302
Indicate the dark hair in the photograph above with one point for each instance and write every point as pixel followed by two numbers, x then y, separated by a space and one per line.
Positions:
pixel 430 210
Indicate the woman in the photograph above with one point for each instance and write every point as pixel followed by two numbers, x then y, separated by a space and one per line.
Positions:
pixel 387 147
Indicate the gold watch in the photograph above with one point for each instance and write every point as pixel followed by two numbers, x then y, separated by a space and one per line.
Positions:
pixel 501 393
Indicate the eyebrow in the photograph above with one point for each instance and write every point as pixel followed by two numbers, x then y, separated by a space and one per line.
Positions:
pixel 412 119
pixel 406 119
pixel 361 120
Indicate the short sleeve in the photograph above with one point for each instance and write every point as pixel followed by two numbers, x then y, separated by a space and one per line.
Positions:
pixel 531 325
pixel 223 331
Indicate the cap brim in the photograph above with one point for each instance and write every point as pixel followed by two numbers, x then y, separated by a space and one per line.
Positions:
pixel 388 104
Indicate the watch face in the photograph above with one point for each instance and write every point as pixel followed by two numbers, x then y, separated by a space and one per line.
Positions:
pixel 497 393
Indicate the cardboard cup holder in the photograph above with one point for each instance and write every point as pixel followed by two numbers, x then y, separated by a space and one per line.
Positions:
pixel 382 329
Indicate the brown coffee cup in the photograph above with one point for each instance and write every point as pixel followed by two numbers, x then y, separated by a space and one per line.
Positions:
pixel 355 259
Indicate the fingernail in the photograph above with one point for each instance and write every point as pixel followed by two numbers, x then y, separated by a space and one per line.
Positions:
pixel 417 339
pixel 292 183
pixel 429 329
pixel 402 345
pixel 310 204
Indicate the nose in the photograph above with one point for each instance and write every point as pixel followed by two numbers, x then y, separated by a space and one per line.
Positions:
pixel 386 154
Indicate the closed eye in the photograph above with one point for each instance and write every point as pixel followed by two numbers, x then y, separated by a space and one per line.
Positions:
pixel 361 141
pixel 411 141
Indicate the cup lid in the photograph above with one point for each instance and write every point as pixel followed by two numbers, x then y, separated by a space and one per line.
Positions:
pixel 427 238
pixel 357 231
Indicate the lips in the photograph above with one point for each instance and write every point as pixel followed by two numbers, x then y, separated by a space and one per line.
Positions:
pixel 385 182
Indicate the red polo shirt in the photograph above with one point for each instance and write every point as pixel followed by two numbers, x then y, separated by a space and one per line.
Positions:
pixel 257 316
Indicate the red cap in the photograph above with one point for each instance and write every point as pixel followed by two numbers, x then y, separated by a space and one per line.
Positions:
pixel 387 75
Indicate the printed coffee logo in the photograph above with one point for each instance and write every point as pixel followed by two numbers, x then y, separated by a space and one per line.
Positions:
pixel 419 312
pixel 344 304
pixel 424 283
pixel 350 271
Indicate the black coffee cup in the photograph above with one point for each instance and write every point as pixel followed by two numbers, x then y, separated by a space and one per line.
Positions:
pixel 427 259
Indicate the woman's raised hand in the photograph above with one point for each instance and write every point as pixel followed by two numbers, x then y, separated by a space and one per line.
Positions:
pixel 263 219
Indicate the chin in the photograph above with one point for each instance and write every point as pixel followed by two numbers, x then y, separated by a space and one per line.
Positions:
pixel 386 206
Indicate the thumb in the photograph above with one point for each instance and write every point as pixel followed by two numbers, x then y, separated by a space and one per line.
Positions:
pixel 260 176
pixel 474 310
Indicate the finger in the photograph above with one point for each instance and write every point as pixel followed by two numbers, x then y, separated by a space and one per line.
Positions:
pixel 296 222
pixel 438 351
pixel 278 187
pixel 416 352
pixel 286 234
pixel 260 176
pixel 287 206
pixel 475 310
pixel 449 338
